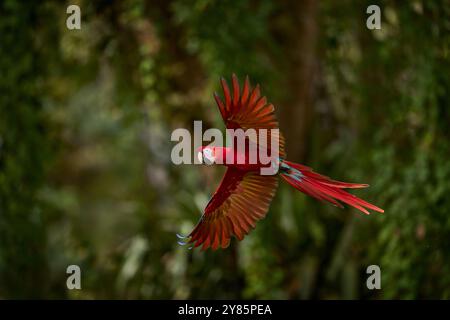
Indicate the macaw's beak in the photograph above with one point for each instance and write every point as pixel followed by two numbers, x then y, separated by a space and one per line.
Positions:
pixel 200 155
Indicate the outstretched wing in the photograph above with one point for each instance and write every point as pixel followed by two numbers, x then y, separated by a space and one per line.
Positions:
pixel 248 109
pixel 241 200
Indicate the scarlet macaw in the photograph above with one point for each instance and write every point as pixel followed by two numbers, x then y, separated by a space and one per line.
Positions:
pixel 244 195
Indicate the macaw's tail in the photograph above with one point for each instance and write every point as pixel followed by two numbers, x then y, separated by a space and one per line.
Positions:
pixel 323 188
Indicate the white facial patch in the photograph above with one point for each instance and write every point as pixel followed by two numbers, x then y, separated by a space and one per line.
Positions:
pixel 207 156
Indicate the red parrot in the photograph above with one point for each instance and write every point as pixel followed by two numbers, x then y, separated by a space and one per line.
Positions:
pixel 244 195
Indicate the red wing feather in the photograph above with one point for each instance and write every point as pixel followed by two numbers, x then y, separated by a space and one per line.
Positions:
pixel 241 200
pixel 247 109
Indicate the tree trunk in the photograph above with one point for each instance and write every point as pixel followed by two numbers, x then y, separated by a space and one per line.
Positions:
pixel 299 37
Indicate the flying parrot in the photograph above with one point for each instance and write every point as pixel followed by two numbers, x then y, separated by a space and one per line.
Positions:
pixel 244 194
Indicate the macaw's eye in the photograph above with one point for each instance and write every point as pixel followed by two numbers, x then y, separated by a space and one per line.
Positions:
pixel 208 160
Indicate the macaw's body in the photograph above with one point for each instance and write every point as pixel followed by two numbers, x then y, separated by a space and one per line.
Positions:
pixel 244 194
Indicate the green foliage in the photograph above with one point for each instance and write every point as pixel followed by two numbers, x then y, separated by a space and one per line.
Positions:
pixel 228 36
pixel 23 157
pixel 400 92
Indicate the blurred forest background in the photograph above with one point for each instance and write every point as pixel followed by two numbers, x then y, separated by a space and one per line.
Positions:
pixel 85 124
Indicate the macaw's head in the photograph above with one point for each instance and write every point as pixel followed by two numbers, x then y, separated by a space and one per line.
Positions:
pixel 206 155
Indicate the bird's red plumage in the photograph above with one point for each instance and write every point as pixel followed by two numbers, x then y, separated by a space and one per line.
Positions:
pixel 244 196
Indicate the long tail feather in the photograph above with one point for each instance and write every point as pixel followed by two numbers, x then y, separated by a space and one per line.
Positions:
pixel 323 188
